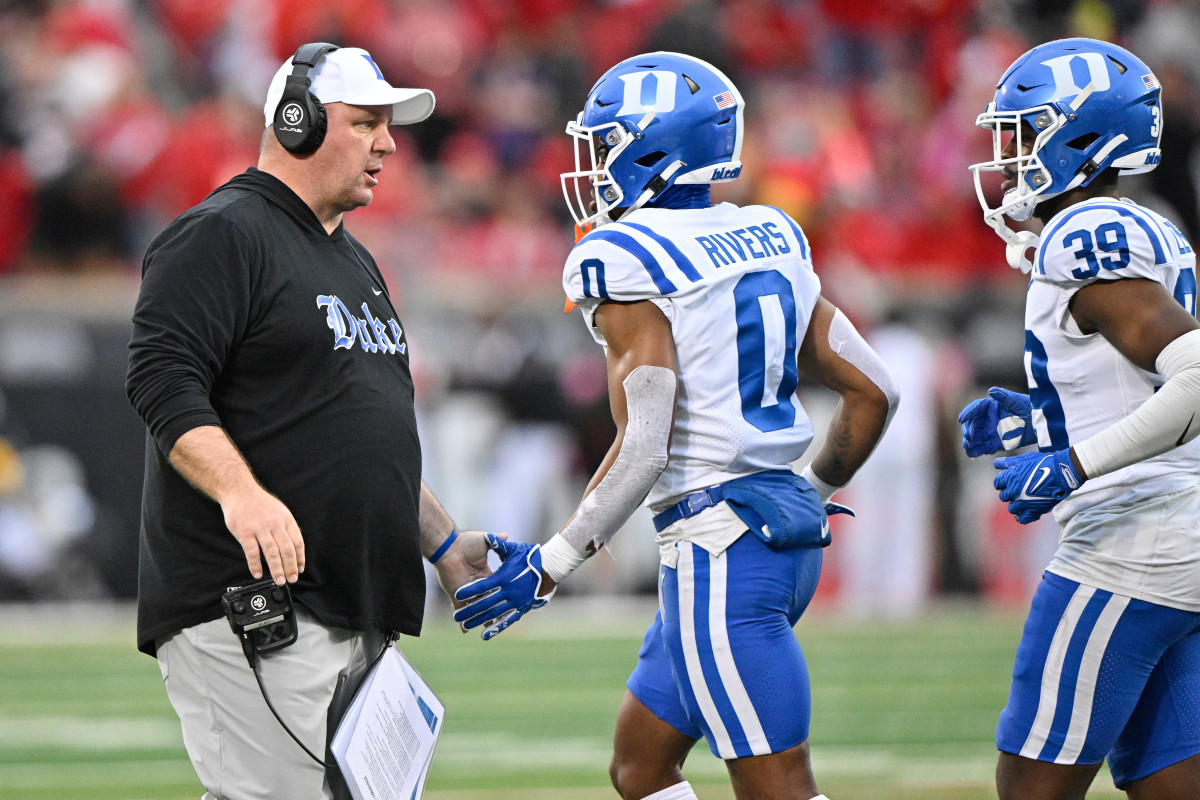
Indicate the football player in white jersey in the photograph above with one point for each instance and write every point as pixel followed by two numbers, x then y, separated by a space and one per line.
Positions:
pixel 708 314
pixel 1109 662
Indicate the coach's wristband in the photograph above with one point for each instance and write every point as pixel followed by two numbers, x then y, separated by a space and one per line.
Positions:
pixel 441 551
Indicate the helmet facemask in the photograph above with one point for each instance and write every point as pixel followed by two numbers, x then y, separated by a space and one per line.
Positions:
pixel 595 184
pixel 1034 183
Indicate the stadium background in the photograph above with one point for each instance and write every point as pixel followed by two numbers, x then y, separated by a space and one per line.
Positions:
pixel 115 115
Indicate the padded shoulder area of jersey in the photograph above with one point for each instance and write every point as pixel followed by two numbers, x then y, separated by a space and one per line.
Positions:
pixel 615 262
pixel 1103 240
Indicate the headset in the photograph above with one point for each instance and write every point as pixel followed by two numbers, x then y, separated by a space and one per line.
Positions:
pixel 299 120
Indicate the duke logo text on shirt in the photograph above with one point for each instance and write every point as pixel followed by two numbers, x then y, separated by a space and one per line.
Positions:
pixel 370 332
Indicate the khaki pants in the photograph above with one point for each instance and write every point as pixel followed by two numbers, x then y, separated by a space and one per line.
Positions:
pixel 239 750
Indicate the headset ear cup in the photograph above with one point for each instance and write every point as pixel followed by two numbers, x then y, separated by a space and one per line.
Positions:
pixel 300 133
pixel 300 122
pixel 319 125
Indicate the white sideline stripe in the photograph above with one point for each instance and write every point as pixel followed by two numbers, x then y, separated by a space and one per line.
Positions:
pixel 82 733
pixel 691 656
pixel 723 654
pixel 1089 669
pixel 509 767
pixel 1052 672
pixel 52 780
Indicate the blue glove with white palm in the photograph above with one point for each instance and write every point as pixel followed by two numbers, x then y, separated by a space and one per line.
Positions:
pixel 1001 421
pixel 1034 483
pixel 506 595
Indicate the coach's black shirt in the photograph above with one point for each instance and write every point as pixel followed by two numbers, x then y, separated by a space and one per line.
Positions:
pixel 253 318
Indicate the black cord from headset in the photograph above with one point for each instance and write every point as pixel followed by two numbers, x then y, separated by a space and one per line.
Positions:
pixel 252 659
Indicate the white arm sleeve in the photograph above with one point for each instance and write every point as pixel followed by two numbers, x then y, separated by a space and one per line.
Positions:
pixel 1164 422
pixel 650 400
pixel 845 340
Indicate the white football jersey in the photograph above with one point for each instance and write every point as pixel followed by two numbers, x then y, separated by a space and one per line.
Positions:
pixel 1080 385
pixel 738 288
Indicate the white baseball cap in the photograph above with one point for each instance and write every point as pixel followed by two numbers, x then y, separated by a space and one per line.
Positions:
pixel 349 75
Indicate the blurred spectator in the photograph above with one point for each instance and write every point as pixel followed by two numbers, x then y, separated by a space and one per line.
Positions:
pixel 864 113
pixel 16 208
pixel 887 548
pixel 46 514
pixel 80 224
pixel 1165 40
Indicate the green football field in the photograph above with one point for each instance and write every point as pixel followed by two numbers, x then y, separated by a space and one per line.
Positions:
pixel 902 710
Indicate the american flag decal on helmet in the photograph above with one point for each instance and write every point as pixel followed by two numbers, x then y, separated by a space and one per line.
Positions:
pixel 1150 81
pixel 724 99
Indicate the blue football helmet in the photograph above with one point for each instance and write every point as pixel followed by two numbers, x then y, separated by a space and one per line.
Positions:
pixel 649 123
pixel 1090 105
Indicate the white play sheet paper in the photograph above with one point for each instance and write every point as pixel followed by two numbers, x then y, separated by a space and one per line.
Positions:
pixel 384 744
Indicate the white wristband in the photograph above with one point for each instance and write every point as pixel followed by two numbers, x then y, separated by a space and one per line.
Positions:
pixel 559 558
pixel 824 490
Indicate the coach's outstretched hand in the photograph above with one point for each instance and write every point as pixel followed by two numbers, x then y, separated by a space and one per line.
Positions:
pixel 1001 421
pixel 506 595
pixel 1034 483
pixel 465 561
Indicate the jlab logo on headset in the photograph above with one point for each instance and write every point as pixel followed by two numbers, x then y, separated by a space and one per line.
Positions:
pixel 258 602
pixel 293 114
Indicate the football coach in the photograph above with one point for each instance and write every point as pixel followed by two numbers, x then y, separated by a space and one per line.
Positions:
pixel 272 371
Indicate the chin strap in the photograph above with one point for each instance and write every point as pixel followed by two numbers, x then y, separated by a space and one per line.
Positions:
pixel 656 185
pixel 1018 243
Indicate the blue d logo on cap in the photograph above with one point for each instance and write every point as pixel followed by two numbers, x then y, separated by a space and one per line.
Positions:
pixel 374 66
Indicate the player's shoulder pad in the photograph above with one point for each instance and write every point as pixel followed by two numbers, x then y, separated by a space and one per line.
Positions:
pixel 615 262
pixel 1106 240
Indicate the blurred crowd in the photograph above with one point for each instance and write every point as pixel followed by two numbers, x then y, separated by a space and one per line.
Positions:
pixel 116 115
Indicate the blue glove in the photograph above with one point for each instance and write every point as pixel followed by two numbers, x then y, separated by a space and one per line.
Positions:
pixel 1034 483
pixel 506 595
pixel 1001 421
